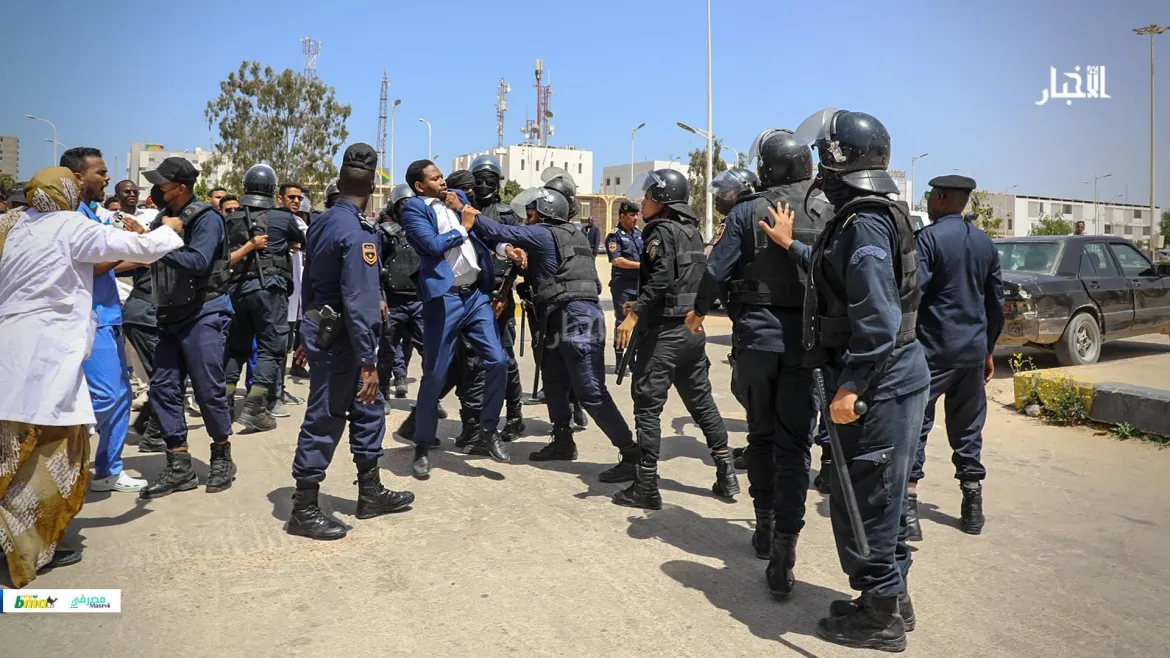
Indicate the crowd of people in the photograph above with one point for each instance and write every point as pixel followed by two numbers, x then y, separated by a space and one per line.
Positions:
pixel 839 311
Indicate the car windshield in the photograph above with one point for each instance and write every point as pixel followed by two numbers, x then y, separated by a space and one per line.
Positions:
pixel 1032 257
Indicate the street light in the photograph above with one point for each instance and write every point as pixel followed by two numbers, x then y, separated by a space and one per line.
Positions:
pixel 710 132
pixel 29 116
pixel 736 155
pixel 428 134
pixel 639 127
pixel 55 142
pixel 1152 30
pixel 1095 209
pixel 397 102
pixel 1010 189
pixel 913 181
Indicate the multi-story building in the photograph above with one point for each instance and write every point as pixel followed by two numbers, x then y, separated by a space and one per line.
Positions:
pixel 144 156
pixel 9 156
pixel 524 163
pixel 1018 213
pixel 616 179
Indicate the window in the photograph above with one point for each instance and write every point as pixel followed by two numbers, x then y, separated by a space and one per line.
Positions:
pixel 1108 229
pixel 1128 229
pixel 607 182
pixel 1137 214
pixel 579 167
pixel 1034 209
pixel 618 182
pixel 1010 224
pixel 1095 261
pixel 538 165
pixel 1066 209
pixel 1133 263
pixel 521 164
pixel 566 166
pixel 1034 257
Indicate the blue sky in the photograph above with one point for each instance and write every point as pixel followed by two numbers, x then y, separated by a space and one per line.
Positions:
pixel 957 80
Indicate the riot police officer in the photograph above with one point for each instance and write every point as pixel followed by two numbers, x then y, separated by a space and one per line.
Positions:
pixel 959 321
pixel 342 321
pixel 565 295
pixel 624 247
pixel 765 296
pixel 190 288
pixel 668 354
pixel 859 321
pixel 403 326
pixel 260 236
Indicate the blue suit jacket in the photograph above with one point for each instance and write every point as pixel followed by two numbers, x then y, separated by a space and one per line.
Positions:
pixel 434 275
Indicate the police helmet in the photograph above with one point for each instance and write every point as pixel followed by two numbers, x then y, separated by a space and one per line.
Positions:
pixel 667 187
pixel 728 187
pixel 259 187
pixel 782 159
pixel 549 204
pixel 331 193
pixel 854 146
pixel 567 189
pixel 487 163
pixel 401 192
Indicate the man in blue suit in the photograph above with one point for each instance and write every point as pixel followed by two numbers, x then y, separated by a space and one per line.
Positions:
pixel 454 283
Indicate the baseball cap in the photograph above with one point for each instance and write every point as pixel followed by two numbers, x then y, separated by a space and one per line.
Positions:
pixel 173 170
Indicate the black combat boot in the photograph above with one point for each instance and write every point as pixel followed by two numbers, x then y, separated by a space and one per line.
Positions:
pixel 874 623
pixel 781 560
pixel 513 428
pixel 152 439
pixel 762 537
pixel 726 484
pixel 255 416
pixel 222 469
pixel 625 469
pixel 821 482
pixel 178 476
pixel 643 492
pixel 972 511
pixel 374 499
pixel 384 389
pixel 307 519
pixel 422 462
pixel 468 435
pixel 843 607
pixel 580 419
pixel 405 431
pixel 562 447
pixel 913 526
pixel 740 458
pixel 490 445
pixel 399 387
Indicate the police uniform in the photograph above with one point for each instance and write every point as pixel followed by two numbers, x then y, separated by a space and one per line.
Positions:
pixel 860 331
pixel 140 324
pixel 623 283
pixel 403 326
pixel 194 313
pixel 260 287
pixel 959 320
pixel 565 295
pixel 668 354
pixel 764 289
pixel 341 328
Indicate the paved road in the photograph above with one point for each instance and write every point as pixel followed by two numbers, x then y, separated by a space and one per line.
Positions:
pixel 519 559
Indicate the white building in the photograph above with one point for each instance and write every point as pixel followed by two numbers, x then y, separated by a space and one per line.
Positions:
pixel 143 157
pixel 616 179
pixel 1019 212
pixel 9 156
pixel 523 163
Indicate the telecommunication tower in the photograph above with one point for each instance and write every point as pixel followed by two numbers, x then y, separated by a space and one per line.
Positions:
pixel 383 101
pixel 501 107
pixel 537 131
pixel 311 48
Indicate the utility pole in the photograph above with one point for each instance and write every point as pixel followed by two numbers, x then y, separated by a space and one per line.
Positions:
pixel 1152 30
pixel 383 100
pixel 501 107
pixel 710 135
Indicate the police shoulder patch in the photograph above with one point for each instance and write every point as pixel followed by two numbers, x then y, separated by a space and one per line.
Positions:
pixel 867 250
pixel 719 232
pixel 652 249
pixel 611 244
pixel 369 253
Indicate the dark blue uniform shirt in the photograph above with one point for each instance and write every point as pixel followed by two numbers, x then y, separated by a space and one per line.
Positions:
pixel 341 271
pixel 764 328
pixel 204 247
pixel 621 244
pixel 282 230
pixel 858 260
pixel 962 293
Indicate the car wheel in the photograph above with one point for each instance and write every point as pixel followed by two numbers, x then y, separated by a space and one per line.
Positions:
pixel 1081 343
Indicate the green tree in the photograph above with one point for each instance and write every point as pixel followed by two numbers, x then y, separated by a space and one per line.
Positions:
pixel 1055 225
pixel 697 177
pixel 1164 224
pixel 202 189
pixel 511 189
pixel 6 184
pixel 289 121
pixel 984 219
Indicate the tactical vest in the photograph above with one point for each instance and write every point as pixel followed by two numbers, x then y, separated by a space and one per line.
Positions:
pixel 689 265
pixel 772 277
pixel 398 272
pixel 502 213
pixel 826 310
pixel 173 287
pixel 576 275
pixel 241 226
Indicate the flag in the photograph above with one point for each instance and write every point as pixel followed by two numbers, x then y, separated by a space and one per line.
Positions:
pixel 153 147
pixel 383 178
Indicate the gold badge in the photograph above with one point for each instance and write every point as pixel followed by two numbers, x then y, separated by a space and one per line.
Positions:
pixel 719 233
pixel 369 253
pixel 611 245
pixel 652 249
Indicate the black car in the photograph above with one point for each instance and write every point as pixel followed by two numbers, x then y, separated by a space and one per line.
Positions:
pixel 1073 292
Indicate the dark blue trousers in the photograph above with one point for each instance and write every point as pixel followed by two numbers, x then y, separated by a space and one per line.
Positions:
pixel 574 363
pixel 402 330
pixel 966 409
pixel 334 380
pixel 192 349
pixel 444 320
pixel 879 448
pixel 622 292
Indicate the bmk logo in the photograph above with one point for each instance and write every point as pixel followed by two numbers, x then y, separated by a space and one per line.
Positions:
pixel 61 600
pixel 32 601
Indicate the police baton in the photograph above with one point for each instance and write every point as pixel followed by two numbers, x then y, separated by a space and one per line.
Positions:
pixel 628 356
pixel 523 324
pixel 538 350
pixel 839 464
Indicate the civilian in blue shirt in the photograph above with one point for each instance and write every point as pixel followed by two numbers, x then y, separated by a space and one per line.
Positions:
pixel 959 321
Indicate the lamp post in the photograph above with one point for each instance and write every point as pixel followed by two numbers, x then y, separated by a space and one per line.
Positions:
pixel 634 130
pixel 29 116
pixel 710 168
pixel 1096 228
pixel 397 102
pixel 735 152
pixel 1152 30
pixel 428 134
pixel 56 143
pixel 710 133
pixel 913 182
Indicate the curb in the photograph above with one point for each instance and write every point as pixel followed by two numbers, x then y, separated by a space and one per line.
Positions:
pixel 1147 409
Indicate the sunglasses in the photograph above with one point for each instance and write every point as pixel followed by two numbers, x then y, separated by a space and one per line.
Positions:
pixel 294 197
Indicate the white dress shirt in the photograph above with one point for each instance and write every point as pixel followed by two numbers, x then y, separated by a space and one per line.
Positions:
pixel 46 310
pixel 462 258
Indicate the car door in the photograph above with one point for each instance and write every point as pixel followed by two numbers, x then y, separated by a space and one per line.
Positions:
pixel 1151 296
pixel 1107 287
